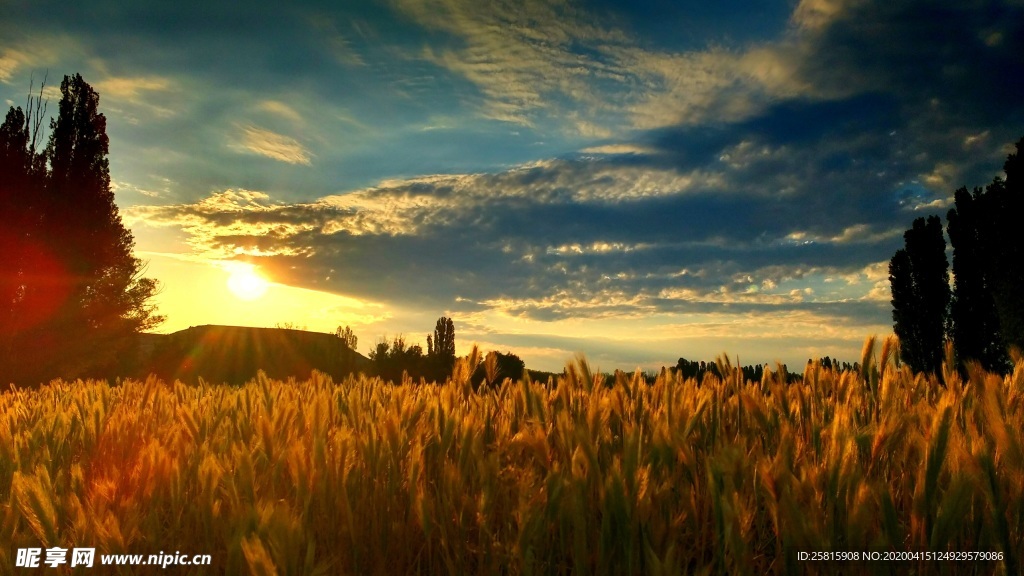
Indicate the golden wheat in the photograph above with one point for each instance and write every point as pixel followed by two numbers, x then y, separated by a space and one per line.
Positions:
pixel 588 474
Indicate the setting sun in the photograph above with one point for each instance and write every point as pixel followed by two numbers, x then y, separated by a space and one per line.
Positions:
pixel 245 283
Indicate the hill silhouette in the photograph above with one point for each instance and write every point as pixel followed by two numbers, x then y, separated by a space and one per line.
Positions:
pixel 234 354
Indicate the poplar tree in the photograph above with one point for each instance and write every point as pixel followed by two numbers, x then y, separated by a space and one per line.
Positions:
pixel 441 348
pixel 919 277
pixel 1006 247
pixel 974 320
pixel 987 312
pixel 74 295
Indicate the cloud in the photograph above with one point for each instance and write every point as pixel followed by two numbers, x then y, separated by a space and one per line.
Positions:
pixel 558 239
pixel 120 187
pixel 272 145
pixel 688 88
pixel 553 60
pixel 526 58
pixel 10 62
pixel 30 54
pixel 138 98
pixel 934 57
pixel 281 110
pixel 622 148
pixel 816 14
pixel 337 44
pixel 228 224
pixel 556 61
pixel 766 181
pixel 695 180
pixel 130 88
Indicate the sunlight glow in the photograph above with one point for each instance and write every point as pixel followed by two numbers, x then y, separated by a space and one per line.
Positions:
pixel 245 283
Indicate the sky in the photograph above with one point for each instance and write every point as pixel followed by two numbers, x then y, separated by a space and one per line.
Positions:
pixel 637 181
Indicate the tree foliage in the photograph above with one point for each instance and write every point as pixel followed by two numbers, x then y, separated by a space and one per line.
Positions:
pixel 73 294
pixel 391 360
pixel 349 341
pixel 496 367
pixel 919 277
pixel 441 349
pixel 1006 247
pixel 347 336
pixel 697 369
pixel 974 321
pixel 443 345
pixel 985 314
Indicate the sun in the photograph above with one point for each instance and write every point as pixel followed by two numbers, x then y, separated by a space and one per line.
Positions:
pixel 245 283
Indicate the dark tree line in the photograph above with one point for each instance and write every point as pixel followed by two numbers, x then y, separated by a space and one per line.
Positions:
pixel 697 369
pixel 754 373
pixel 833 364
pixel 983 314
pixel 394 359
pixel 72 295
pixel 391 359
pixel 496 367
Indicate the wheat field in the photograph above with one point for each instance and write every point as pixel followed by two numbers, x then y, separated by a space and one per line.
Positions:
pixel 586 474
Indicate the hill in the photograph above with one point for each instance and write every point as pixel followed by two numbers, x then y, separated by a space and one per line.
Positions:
pixel 234 354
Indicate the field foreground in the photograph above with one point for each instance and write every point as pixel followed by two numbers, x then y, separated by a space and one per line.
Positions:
pixel 586 475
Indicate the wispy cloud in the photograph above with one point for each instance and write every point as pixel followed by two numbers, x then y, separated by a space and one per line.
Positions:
pixel 521 56
pixel 10 62
pixel 138 99
pixel 130 88
pixel 552 59
pixel 622 148
pixel 23 55
pixel 272 145
pixel 816 14
pixel 281 110
pixel 340 47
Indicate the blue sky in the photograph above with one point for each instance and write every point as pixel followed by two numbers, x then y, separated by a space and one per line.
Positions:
pixel 636 181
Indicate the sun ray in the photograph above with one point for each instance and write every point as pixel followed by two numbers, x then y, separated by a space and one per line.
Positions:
pixel 245 282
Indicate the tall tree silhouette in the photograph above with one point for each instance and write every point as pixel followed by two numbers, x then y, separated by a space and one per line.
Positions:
pixel 974 321
pixel 77 294
pixel 441 348
pixel 1006 247
pixel 987 312
pixel 919 277
pixel 22 181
